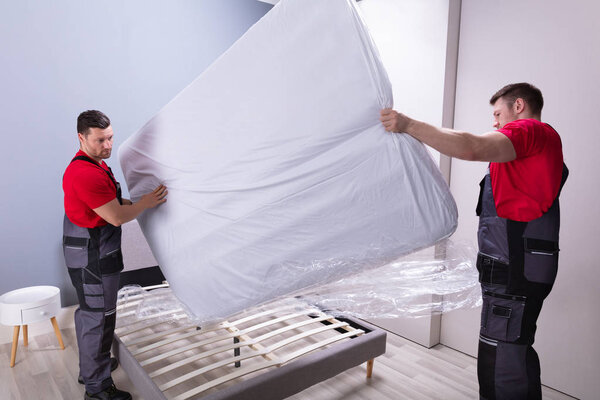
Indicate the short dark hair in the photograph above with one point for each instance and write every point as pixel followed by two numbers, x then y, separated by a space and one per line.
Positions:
pixel 526 91
pixel 91 119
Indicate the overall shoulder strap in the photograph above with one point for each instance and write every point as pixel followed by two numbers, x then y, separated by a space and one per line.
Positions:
pixel 108 172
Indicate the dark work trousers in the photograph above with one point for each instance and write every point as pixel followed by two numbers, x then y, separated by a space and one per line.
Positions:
pixel 94 261
pixel 507 365
pixel 95 325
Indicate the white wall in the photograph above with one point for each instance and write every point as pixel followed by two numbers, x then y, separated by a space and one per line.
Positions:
pixel 58 58
pixel 555 46
pixel 412 39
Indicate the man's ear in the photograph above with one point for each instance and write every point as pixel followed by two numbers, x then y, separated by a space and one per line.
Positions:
pixel 80 137
pixel 519 106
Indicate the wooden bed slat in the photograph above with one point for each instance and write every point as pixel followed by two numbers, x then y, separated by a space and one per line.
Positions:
pixel 258 352
pixel 256 368
pixel 247 342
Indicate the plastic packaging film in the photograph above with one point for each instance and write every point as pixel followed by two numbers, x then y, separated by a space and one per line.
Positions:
pixel 431 281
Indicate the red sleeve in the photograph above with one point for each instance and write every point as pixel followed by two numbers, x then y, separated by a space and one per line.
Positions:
pixel 522 135
pixel 94 188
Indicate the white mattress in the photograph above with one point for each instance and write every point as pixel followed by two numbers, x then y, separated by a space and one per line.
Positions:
pixel 279 172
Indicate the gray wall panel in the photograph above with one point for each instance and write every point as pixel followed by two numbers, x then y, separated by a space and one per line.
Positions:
pixel 126 58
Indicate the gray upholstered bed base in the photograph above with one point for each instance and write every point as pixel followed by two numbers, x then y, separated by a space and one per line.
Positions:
pixel 281 382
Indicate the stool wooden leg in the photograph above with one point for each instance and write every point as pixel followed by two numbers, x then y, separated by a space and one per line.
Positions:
pixel 370 367
pixel 25 342
pixel 13 352
pixel 57 332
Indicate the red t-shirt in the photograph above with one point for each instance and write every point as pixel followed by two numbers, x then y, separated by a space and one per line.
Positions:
pixel 526 187
pixel 87 186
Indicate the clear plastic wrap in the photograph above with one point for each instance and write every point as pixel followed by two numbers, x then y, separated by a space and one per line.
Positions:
pixel 138 305
pixel 434 280
pixel 149 306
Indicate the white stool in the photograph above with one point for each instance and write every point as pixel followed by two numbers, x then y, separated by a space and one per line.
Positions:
pixel 28 305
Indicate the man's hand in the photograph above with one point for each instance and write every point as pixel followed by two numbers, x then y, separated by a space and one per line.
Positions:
pixel 117 214
pixel 394 121
pixel 155 197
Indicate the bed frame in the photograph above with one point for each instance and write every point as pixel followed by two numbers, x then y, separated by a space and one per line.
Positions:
pixel 268 353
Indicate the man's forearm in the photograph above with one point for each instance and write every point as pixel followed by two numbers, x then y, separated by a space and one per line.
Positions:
pixel 117 214
pixel 447 141
pixel 491 146
pixel 128 212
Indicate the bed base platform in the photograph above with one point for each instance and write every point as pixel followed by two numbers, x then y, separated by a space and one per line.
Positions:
pixel 268 353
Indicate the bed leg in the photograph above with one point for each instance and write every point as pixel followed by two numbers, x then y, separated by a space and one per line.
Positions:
pixel 236 352
pixel 370 367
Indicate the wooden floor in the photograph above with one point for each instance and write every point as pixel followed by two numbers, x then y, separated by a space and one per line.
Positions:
pixel 406 371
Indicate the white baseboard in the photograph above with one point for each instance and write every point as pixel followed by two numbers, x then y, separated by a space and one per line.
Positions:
pixel 64 319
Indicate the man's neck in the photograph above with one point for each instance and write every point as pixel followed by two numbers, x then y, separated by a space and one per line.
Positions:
pixel 97 160
pixel 529 116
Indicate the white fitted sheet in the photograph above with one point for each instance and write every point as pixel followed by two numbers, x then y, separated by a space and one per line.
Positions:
pixel 279 172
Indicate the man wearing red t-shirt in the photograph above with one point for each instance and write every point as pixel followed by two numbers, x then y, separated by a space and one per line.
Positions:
pixel 94 212
pixel 519 221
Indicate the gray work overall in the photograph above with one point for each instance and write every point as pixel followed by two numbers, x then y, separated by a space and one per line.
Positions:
pixel 94 261
pixel 517 264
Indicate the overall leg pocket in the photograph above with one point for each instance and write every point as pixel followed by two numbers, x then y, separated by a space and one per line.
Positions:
pixel 111 289
pixel 89 288
pixel 93 289
pixel 502 316
pixel 75 251
pixel 112 262
pixel 94 295
pixel 541 261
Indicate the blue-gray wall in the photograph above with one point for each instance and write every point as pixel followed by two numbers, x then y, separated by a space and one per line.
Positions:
pixel 58 58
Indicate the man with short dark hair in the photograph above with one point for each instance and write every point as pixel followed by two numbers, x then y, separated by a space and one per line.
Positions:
pixel 94 212
pixel 519 221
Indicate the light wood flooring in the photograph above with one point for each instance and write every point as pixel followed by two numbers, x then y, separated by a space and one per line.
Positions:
pixel 406 371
